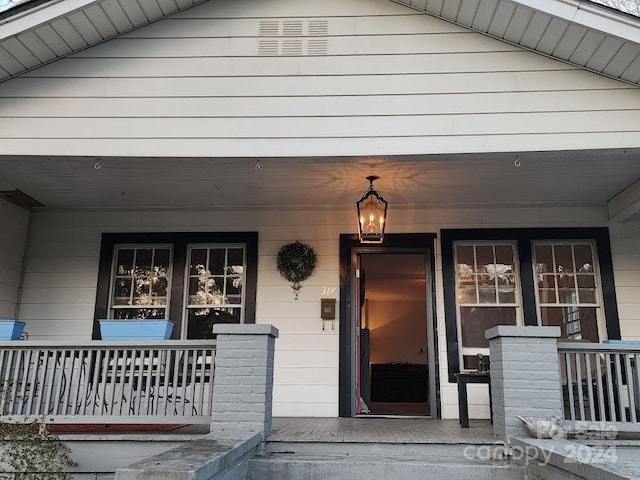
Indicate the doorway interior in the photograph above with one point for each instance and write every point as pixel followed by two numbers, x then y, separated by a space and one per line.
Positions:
pixel 394 347
pixel 388 352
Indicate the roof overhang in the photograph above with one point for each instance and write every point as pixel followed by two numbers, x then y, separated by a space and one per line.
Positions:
pixel 582 33
pixel 34 36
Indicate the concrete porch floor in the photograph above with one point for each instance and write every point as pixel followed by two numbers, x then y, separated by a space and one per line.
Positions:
pixel 379 430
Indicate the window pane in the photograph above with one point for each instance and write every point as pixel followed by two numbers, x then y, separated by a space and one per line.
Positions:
pixel 564 258
pixel 465 260
pixel 475 321
pixel 234 286
pixel 141 291
pixel 198 261
pixel 547 295
pixel 216 261
pixel 467 295
pixel 200 321
pixel 143 261
pixel 578 323
pixel 122 291
pixel 235 260
pixel 586 281
pixel 487 294
pixel 124 261
pixel 544 258
pixel 484 258
pixel 586 295
pixel 584 258
pixel 504 256
pixel 159 290
pixel 161 261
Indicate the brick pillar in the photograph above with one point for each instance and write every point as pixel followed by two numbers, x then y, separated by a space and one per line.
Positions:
pixel 525 376
pixel 243 380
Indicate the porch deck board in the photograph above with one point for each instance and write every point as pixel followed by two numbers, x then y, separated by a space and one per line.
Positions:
pixel 379 430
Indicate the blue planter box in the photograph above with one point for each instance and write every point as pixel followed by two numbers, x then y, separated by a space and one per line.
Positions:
pixel 136 329
pixel 11 329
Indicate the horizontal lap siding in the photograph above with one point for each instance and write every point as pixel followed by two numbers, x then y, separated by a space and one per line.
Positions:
pixel 392 81
pixel 61 274
pixel 625 243
pixel 13 235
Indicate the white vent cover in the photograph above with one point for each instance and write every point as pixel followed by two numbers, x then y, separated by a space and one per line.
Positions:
pixel 293 37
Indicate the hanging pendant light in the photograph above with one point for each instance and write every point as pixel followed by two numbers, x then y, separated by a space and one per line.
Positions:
pixel 372 214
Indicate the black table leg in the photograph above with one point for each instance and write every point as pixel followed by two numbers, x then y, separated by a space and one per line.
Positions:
pixel 463 406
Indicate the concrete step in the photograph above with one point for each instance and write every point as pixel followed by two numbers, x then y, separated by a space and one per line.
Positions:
pixel 369 461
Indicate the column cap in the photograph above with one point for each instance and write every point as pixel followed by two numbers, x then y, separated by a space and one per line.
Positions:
pixel 527 332
pixel 245 329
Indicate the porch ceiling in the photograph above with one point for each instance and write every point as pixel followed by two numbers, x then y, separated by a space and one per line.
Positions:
pixel 543 178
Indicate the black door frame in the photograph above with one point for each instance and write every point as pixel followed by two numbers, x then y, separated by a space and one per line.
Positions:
pixel 350 247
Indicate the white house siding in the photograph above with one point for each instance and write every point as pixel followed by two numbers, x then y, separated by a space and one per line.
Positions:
pixel 392 81
pixel 61 275
pixel 14 223
pixel 625 240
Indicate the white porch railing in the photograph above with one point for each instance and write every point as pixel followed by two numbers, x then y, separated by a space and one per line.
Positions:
pixel 108 382
pixel 600 382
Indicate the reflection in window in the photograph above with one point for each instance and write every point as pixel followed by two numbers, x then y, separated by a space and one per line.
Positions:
pixel 487 292
pixel 567 291
pixel 215 288
pixel 140 286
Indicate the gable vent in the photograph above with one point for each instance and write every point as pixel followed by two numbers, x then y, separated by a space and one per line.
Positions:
pixel 269 28
pixel 292 47
pixel 318 46
pixel 318 28
pixel 268 48
pixel 293 37
pixel 292 28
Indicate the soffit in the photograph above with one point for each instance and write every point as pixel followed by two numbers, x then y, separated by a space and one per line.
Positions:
pixel 590 177
pixel 55 29
pixel 584 34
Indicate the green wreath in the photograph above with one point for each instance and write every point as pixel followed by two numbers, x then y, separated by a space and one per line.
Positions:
pixel 295 262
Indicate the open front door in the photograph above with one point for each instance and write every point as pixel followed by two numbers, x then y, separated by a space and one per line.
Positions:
pixel 388 331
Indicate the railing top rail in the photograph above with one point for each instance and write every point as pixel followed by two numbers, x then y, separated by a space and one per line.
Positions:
pixel 599 347
pixel 105 344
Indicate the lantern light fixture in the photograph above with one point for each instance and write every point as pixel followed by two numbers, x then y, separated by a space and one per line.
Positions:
pixel 372 214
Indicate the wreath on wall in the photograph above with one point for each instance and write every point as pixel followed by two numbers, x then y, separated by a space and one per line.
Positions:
pixel 295 262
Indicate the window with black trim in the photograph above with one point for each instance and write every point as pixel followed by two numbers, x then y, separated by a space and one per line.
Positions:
pixel 195 279
pixel 548 276
pixel 488 293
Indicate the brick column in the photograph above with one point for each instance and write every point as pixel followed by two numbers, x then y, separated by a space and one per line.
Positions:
pixel 243 380
pixel 525 376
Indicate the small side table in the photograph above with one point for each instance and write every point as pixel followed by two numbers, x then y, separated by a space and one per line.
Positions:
pixel 463 403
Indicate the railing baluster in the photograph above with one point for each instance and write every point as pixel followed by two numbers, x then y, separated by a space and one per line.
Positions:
pixel 66 381
pixel 579 383
pixel 618 381
pixel 16 379
pixel 51 384
pixel 185 368
pixel 630 388
pixel 610 392
pixel 592 413
pixel 572 408
pixel 35 389
pixel 96 379
pixel 27 354
pixel 601 408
